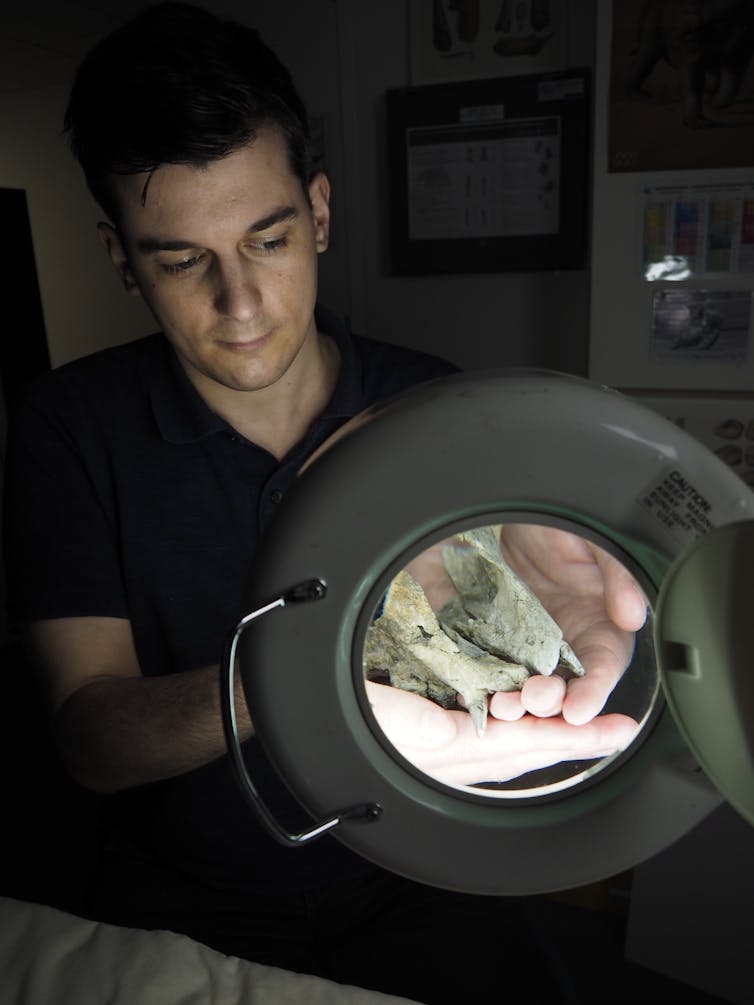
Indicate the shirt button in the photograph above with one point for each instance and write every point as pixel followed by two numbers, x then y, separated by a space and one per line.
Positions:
pixel 276 495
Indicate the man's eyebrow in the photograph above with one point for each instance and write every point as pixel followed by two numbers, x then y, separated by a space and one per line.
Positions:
pixel 280 215
pixel 152 244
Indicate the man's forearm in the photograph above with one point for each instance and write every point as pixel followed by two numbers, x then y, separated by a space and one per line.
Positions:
pixel 116 733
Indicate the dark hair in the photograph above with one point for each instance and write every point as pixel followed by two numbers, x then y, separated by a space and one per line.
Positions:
pixel 178 85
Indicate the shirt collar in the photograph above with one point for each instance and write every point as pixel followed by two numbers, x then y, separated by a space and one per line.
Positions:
pixel 182 415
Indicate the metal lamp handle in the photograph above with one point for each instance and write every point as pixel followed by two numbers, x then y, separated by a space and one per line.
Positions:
pixel 311 589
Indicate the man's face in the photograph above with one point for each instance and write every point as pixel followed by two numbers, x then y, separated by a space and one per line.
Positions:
pixel 226 258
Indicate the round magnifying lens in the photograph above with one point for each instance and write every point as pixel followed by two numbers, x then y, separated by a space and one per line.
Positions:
pixel 458 625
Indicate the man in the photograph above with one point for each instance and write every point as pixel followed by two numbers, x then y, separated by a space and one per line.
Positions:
pixel 142 477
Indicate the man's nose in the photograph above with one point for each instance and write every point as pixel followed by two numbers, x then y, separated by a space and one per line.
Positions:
pixel 238 293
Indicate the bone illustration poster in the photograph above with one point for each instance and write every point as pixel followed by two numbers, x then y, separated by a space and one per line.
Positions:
pixel 698 324
pixel 479 39
pixel 682 85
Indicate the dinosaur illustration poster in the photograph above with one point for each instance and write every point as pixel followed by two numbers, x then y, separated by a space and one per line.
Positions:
pixel 682 85
pixel 476 39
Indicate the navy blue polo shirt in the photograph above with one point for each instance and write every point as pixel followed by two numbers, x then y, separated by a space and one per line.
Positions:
pixel 128 497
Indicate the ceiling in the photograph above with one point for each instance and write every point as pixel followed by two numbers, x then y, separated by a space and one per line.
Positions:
pixel 42 41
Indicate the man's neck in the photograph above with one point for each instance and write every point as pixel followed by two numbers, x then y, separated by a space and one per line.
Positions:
pixel 277 417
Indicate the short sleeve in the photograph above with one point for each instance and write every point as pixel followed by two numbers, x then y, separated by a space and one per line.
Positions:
pixel 61 550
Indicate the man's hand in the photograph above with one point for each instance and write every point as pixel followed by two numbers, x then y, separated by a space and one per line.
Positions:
pixel 445 745
pixel 597 604
pixel 599 607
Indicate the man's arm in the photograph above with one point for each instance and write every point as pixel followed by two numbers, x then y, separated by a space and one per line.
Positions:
pixel 114 727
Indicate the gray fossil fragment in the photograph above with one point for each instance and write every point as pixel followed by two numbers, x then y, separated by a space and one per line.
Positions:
pixel 497 611
pixel 407 642
pixel 491 637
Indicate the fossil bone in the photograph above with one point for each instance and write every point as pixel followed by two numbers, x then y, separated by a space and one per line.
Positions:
pixel 407 642
pixel 497 611
pixel 491 637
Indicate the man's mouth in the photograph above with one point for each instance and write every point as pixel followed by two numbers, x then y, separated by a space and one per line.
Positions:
pixel 245 344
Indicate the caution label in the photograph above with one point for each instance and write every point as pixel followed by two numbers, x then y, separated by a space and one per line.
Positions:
pixel 683 510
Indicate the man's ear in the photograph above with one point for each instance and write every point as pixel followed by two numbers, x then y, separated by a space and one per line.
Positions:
pixel 319 197
pixel 113 245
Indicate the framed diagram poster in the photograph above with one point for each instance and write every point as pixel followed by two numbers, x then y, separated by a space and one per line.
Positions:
pixel 489 176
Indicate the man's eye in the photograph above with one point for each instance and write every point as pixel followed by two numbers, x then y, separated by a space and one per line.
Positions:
pixel 183 266
pixel 271 246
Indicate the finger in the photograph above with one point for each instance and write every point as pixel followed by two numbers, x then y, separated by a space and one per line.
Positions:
pixel 506 705
pixel 511 749
pixel 544 737
pixel 625 601
pixel 408 720
pixel 605 652
pixel 586 696
pixel 543 696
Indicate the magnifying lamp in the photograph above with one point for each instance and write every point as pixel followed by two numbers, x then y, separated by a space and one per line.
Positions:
pixel 446 464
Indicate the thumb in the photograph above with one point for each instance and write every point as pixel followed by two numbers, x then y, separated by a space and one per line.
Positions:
pixel 408 720
pixel 624 598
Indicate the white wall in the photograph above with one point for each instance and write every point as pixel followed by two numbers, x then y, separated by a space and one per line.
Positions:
pixel 479 320
pixel 83 303
pixel 344 55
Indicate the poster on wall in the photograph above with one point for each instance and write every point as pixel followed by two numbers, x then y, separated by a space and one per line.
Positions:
pixel 489 175
pixel 681 85
pixel 702 325
pixel 477 39
pixel 697 230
